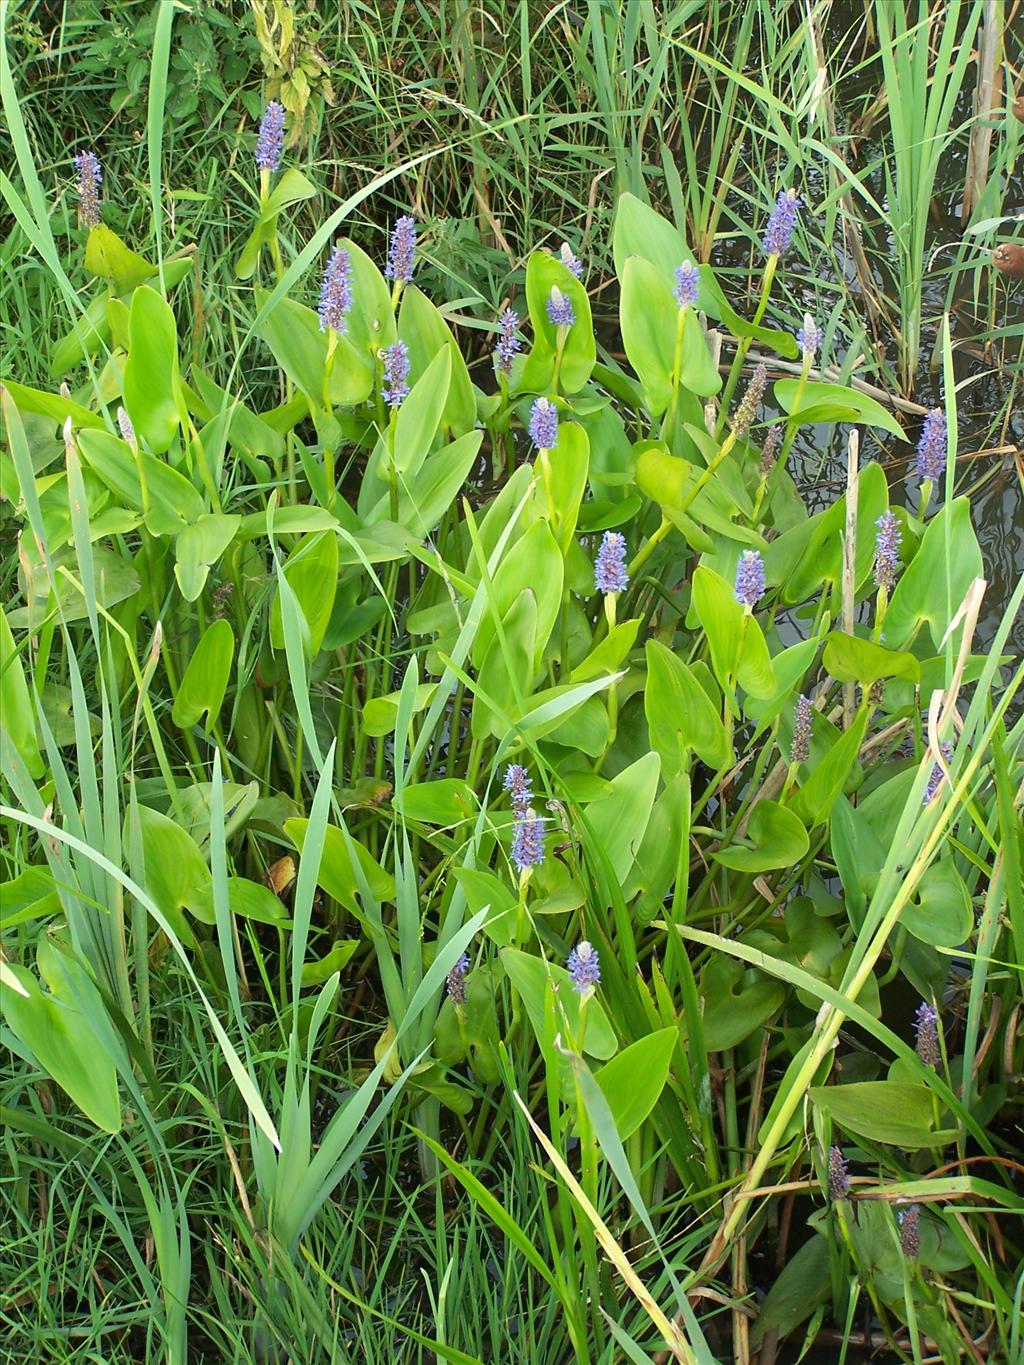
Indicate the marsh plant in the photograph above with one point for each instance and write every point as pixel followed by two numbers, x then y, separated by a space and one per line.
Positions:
pixel 660 836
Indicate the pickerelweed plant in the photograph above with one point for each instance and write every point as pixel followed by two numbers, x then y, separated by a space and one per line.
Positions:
pixel 630 785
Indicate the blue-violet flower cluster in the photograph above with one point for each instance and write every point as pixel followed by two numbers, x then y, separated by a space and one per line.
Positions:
pixel 750 582
pixel 782 223
pixel 336 292
pixel 402 251
pixel 584 967
pixel 887 551
pixel 270 142
pixel 396 374
pixel 509 345
pixel 808 338
pixel 571 262
pixel 610 565
pixel 560 309
pixel 544 424
pixel 686 285
pixel 931 448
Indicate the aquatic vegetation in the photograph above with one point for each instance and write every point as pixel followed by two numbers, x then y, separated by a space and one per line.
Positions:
pixel 469 806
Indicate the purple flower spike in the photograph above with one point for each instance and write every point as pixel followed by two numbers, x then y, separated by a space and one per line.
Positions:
pixel 527 839
pixel 801 747
pixel 571 262
pixel 926 1025
pixel 519 787
pixel 931 448
pixel 750 582
pixel 808 338
pixel 584 967
pixel 396 374
pixel 910 1231
pixel 782 223
pixel 560 310
pixel 887 551
pixel 270 142
pixel 90 177
pixel 610 565
pixel 336 292
pixel 687 284
pixel 838 1175
pixel 402 251
pixel 544 424
pixel 455 982
pixel 937 776
pixel 509 345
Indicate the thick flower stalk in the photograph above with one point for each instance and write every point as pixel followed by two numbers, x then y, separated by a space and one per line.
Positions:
pixel 519 787
pixel 750 402
pixel 800 749
pixel 838 1175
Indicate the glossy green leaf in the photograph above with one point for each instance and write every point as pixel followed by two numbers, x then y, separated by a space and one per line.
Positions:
pixel 447 801
pixel 31 895
pixel 737 1002
pixel 532 977
pixel 151 386
pixel 312 574
pixel 940 911
pixel 775 837
pixel 830 776
pixel 293 334
pixel 109 258
pixel 17 712
pixel 647 318
pixel 580 352
pixel 174 502
pixel 924 594
pixel 619 818
pixel 336 960
pixel 833 403
pixel 198 547
pixel 633 1080
pixel 63 1042
pixel 852 659
pixel 894 1112
pixel 337 874
pixel 680 714
pixel 425 333
pixel 252 900
pixel 204 682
